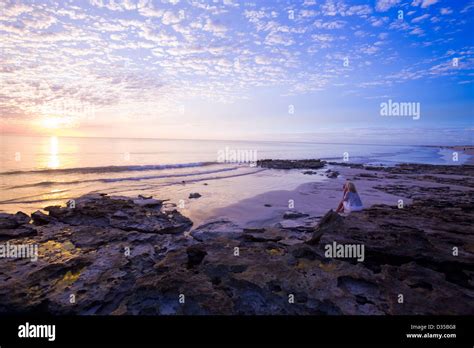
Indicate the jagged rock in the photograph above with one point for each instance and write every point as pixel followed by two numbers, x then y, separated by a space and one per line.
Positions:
pixel 148 202
pixel 95 252
pixel 268 235
pixel 333 174
pixel 195 255
pixel 293 225
pixel 331 222
pixel 9 221
pixel 53 210
pixel 305 252
pixel 194 195
pixel 40 218
pixel 122 213
pixel 217 229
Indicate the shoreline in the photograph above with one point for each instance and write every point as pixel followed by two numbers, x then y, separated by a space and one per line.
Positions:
pixel 33 189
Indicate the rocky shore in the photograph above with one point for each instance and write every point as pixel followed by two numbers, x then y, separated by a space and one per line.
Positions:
pixel 291 164
pixel 118 255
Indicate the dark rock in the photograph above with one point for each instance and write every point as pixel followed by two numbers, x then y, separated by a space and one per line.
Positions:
pixel 294 215
pixel 291 164
pixel 8 221
pixel 19 232
pixel 120 215
pixel 141 215
pixel 217 229
pixel 194 195
pixel 95 252
pixel 40 218
pixel 305 252
pixel 368 175
pixel 54 210
pixel 195 255
pixel 253 230
pixel 330 223
pixel 148 202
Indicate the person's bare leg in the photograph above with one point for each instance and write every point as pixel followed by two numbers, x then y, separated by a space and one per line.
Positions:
pixel 340 207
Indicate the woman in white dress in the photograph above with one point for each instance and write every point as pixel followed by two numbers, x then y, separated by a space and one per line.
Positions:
pixel 351 200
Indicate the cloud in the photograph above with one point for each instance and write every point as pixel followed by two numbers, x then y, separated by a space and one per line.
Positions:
pixel 119 55
pixel 333 8
pixel 308 13
pixel 170 17
pixel 420 18
pixel 215 27
pixel 377 21
pixel 276 38
pixel 385 5
pixel 149 11
pixel 359 10
pixel 417 32
pixel 322 37
pixel 329 24
pixel 424 3
pixel 262 60
pixel 445 11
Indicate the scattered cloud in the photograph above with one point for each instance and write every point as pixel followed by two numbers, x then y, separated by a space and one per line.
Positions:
pixel 133 57
pixel 385 5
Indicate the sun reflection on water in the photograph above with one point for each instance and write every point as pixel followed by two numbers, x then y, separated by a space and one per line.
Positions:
pixel 53 162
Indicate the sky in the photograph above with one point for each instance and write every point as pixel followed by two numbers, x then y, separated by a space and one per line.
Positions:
pixel 227 69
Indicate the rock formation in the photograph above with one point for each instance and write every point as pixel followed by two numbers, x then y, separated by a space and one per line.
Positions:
pixel 116 255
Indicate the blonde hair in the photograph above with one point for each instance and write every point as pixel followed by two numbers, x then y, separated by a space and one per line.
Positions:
pixel 351 187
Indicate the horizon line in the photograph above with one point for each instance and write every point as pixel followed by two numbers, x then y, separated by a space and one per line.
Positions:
pixel 223 140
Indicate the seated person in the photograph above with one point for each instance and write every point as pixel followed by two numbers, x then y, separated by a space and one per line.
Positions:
pixel 351 200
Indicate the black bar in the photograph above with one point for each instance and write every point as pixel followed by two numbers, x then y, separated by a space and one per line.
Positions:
pixel 263 330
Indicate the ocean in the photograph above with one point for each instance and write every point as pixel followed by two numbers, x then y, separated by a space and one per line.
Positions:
pixel 39 171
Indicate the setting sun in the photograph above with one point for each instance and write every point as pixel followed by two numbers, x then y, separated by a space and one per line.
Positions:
pixel 53 122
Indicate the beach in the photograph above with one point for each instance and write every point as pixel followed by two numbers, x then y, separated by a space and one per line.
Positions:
pixel 39 171
pixel 262 253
